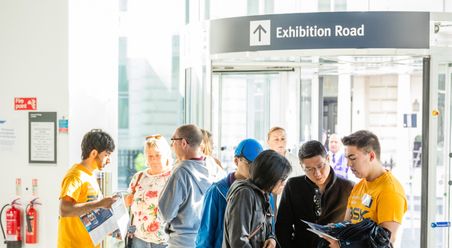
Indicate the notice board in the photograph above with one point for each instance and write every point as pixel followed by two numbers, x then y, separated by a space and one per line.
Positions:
pixel 42 139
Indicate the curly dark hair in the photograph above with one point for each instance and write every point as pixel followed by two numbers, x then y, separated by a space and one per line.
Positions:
pixel 98 140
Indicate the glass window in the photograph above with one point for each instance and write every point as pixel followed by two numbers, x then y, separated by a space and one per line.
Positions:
pixel 324 5
pixel 123 114
pixel 150 100
pixel 247 105
pixel 340 5
pixel 305 110
pixel 442 171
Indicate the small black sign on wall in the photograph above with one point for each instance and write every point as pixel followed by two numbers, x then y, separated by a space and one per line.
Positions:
pixel 42 140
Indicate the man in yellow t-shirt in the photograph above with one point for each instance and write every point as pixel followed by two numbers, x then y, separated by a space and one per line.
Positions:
pixel 379 196
pixel 80 191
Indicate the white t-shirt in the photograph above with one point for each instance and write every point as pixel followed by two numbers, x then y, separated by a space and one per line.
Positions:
pixel 216 173
pixel 295 163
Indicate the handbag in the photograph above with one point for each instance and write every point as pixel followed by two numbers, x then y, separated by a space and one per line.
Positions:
pixel 131 228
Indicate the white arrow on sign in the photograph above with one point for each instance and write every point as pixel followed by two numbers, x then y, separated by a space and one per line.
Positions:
pixel 260 33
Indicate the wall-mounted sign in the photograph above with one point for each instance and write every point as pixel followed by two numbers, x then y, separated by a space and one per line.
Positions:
pixel 63 125
pixel 25 103
pixel 327 30
pixel 42 142
pixel 409 120
pixel 8 138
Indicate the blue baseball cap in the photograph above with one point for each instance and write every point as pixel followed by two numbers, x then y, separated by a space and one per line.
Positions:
pixel 249 149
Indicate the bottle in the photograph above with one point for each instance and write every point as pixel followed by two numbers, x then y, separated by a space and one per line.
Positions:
pixel 34 187
pixel 18 187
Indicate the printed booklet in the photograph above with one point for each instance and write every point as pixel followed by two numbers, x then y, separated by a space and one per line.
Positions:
pixel 320 230
pixel 101 222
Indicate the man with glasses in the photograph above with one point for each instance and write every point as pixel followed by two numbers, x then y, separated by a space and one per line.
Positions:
pixel 210 234
pixel 181 198
pixel 319 197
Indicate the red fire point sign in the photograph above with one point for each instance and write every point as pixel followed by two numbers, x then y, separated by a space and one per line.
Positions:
pixel 25 103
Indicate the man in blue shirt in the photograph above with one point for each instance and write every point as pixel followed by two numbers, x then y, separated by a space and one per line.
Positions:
pixel 210 233
pixel 337 157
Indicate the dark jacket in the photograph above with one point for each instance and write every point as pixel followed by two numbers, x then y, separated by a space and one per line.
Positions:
pixel 297 203
pixel 210 233
pixel 248 216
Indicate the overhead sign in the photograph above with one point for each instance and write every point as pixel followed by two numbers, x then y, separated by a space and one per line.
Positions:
pixel 330 30
pixel 25 103
pixel 260 33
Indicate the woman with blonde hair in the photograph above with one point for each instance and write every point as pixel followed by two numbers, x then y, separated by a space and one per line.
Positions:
pixel 146 186
pixel 216 172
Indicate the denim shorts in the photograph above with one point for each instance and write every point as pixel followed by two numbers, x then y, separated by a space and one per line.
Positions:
pixel 139 243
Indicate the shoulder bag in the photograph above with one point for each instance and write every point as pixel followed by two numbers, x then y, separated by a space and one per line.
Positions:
pixel 131 228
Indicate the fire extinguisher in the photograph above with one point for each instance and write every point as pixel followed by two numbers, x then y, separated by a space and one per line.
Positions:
pixel 13 238
pixel 31 216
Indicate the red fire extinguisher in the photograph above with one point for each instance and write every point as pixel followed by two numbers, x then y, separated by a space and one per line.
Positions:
pixel 31 216
pixel 13 236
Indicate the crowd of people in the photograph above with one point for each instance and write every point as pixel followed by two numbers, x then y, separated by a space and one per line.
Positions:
pixel 190 201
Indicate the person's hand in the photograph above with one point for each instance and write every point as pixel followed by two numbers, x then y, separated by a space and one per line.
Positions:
pixel 269 243
pixel 116 234
pixel 333 243
pixel 108 201
pixel 128 199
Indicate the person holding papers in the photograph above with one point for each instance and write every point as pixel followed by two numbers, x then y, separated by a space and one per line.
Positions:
pixel 80 192
pixel 319 197
pixel 379 196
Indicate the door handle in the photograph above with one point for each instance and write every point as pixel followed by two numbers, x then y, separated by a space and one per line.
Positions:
pixel 441 224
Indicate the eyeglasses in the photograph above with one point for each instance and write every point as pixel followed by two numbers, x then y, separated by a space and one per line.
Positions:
pixel 155 136
pixel 312 170
pixel 317 199
pixel 174 139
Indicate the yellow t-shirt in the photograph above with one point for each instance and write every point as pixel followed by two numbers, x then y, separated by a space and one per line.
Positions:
pixel 81 185
pixel 380 200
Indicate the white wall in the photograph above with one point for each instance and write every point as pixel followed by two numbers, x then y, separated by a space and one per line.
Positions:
pixel 93 71
pixel 33 63
pixel 71 68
